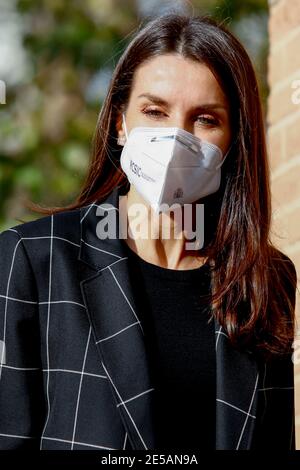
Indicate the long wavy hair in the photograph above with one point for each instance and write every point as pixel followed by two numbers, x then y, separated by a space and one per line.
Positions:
pixel 253 283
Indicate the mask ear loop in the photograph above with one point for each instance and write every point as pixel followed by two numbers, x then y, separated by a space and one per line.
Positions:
pixel 124 125
pixel 223 160
pixel 111 160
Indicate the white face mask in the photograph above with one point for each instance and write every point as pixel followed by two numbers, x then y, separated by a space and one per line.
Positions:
pixel 169 165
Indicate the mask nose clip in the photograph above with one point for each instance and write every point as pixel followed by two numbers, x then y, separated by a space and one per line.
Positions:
pixel 189 146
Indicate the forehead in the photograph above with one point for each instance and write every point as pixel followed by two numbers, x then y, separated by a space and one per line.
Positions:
pixel 174 78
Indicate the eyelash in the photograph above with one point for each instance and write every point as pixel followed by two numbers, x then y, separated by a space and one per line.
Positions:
pixel 156 114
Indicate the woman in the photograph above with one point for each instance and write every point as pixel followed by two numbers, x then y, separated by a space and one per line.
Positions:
pixel 147 342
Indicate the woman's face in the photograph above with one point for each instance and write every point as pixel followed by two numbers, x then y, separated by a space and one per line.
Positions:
pixel 172 91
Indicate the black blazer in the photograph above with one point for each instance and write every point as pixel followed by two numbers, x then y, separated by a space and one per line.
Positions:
pixel 74 369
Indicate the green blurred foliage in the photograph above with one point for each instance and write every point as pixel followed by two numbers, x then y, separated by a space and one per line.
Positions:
pixel 47 124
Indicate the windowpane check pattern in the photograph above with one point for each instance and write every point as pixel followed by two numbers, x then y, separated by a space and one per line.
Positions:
pixel 74 370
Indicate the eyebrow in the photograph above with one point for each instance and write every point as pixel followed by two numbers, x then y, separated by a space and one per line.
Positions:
pixel 160 101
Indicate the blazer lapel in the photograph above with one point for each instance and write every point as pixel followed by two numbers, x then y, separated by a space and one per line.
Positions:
pixel 117 329
pixel 236 395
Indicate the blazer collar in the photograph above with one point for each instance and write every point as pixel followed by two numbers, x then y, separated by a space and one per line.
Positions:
pixel 96 252
pixel 118 333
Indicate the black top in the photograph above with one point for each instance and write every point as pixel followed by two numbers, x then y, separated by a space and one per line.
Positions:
pixel 181 349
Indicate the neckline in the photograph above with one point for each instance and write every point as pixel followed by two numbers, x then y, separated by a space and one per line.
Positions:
pixel 167 273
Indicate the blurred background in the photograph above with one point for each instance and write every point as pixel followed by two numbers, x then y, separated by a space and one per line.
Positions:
pixel 56 59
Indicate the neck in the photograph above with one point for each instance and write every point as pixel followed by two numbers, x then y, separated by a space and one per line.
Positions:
pixel 159 238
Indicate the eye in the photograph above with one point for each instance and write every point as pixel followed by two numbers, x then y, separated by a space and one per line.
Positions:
pixel 155 113
pixel 207 119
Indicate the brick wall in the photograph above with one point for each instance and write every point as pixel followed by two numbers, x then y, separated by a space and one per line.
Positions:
pixel 284 139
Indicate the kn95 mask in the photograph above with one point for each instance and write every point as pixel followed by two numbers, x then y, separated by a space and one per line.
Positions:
pixel 170 165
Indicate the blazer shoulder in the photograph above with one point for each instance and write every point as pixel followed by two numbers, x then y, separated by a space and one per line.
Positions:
pixel 284 264
pixel 286 272
pixel 65 224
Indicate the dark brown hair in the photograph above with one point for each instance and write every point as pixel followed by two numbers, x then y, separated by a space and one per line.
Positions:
pixel 253 283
